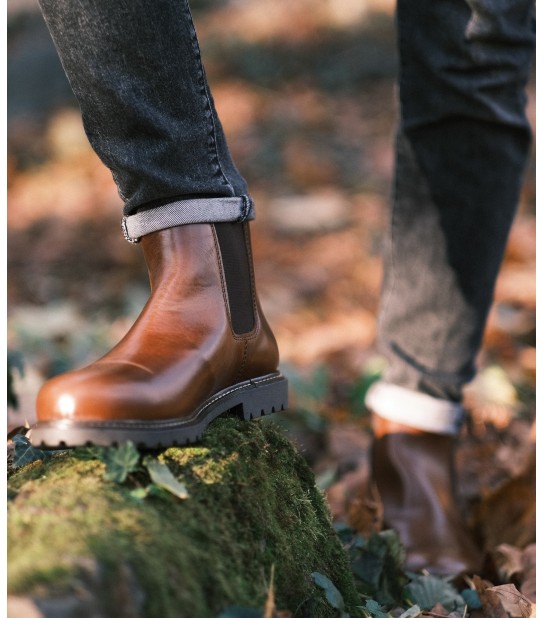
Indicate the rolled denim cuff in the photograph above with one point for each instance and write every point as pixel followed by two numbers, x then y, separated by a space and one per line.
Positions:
pixel 418 410
pixel 185 212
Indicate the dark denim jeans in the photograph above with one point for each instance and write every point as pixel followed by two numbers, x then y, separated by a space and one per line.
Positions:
pixel 462 145
pixel 136 70
pixel 461 151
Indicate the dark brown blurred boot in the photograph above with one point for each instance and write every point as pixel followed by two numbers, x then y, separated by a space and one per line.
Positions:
pixel 414 473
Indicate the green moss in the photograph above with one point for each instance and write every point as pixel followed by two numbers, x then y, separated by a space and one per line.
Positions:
pixel 253 503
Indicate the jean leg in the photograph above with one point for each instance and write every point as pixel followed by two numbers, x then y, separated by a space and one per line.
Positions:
pixel 136 70
pixel 462 147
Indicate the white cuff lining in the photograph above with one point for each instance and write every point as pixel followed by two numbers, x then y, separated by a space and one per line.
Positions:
pixel 418 410
pixel 185 212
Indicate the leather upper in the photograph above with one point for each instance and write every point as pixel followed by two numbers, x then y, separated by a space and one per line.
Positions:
pixel 181 349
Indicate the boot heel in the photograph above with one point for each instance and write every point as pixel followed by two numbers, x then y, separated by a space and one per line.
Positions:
pixel 268 396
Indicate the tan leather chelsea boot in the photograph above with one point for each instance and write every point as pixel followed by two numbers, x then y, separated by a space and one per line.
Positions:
pixel 414 474
pixel 201 347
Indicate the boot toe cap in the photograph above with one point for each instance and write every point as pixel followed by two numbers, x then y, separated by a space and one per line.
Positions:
pixel 95 393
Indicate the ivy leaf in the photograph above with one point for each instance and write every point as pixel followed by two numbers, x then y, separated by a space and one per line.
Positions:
pixel 25 453
pixel 92 452
pixel 374 609
pixel 377 563
pixel 332 594
pixel 472 598
pixel 395 551
pixel 427 590
pixel 120 462
pixel 235 611
pixel 140 493
pixel 412 612
pixel 162 476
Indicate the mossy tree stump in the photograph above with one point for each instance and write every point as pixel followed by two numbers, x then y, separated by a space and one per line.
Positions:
pixel 79 541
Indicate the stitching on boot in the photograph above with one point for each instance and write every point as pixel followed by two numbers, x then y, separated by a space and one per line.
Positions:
pixel 243 364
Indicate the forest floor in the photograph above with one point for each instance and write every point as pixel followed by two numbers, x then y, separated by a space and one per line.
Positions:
pixel 306 96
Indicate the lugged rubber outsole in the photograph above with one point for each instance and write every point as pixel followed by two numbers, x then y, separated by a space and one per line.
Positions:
pixel 249 399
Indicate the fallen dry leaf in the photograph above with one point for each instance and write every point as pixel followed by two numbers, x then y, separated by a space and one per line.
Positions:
pixel 517 605
pixel 438 610
pixel 508 513
pixel 508 561
pixel 528 583
pixel 365 511
pixel 491 605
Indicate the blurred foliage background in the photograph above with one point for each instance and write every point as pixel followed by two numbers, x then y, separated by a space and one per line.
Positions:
pixel 306 94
